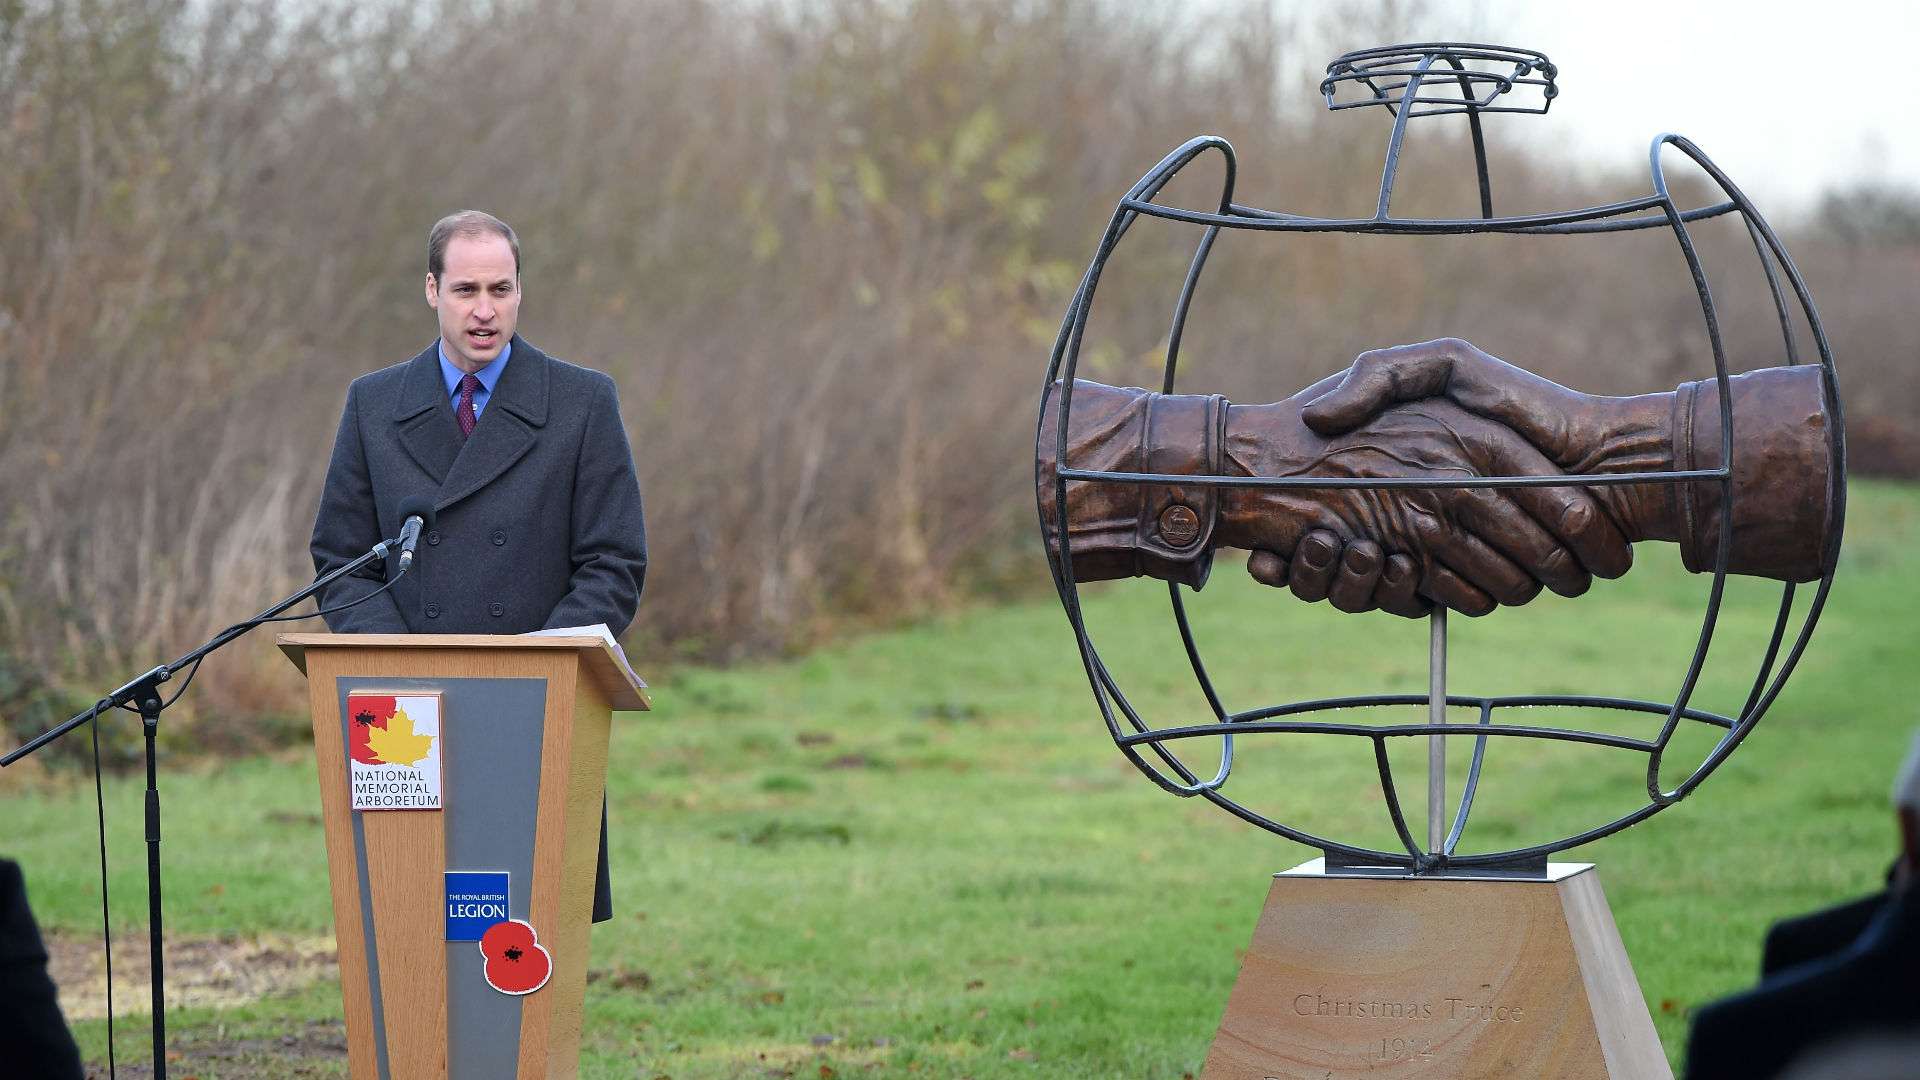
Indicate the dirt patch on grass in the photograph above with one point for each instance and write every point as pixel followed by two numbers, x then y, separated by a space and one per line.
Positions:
pixel 209 972
pixel 313 1049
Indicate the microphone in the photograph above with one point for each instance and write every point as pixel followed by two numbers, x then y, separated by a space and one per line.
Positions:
pixel 419 512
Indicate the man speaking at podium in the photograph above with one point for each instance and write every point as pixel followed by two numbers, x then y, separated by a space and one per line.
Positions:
pixel 522 456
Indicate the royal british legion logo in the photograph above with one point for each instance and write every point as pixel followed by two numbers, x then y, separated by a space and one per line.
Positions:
pixel 393 748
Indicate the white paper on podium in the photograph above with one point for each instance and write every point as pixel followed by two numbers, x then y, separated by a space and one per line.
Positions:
pixel 600 631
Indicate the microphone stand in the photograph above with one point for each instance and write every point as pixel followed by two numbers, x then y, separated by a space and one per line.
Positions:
pixel 143 693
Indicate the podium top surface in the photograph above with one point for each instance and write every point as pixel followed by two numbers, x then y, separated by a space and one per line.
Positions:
pixel 603 662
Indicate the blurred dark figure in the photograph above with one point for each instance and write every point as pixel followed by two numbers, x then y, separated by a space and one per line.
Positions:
pixel 1832 981
pixel 33 1035
pixel 1865 1058
pixel 1820 934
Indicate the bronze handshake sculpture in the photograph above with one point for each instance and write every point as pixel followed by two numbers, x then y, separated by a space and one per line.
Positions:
pixel 1442 409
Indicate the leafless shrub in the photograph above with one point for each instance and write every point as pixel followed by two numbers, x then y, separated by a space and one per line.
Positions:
pixel 822 247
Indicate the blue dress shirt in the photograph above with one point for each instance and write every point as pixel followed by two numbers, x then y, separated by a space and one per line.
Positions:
pixel 488 376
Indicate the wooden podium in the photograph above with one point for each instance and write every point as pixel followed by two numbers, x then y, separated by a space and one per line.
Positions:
pixel 1436 977
pixel 511 734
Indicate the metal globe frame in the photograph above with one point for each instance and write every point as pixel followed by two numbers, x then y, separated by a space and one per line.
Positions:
pixel 1414 81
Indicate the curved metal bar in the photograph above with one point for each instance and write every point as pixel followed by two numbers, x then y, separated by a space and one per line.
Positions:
pixel 1587 226
pixel 1190 783
pixel 1793 357
pixel 1111 687
pixel 1366 66
pixel 1473 49
pixel 1200 253
pixel 1206 683
pixel 1389 858
pixel 1067 343
pixel 1193 654
pixel 1517 701
pixel 1390 731
pixel 1082 308
pixel 1773 289
pixel 1066 347
pixel 1467 102
pixel 1385 768
pixel 1733 738
pixel 1391 169
pixel 1479 139
pixel 1836 442
pixel 1387 482
pixel 1620 704
pixel 1718 589
pixel 1397 226
pixel 1099 679
pixel 1193 786
pixel 1491 858
pixel 1773 652
pixel 1174 335
pixel 1626 225
pixel 1298 836
pixel 1625 821
pixel 1062 340
pixel 1066 350
pixel 1445 106
pixel 1473 783
pixel 1351 851
pixel 1157 177
pixel 1179 328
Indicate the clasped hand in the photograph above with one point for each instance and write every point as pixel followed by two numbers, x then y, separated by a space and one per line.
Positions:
pixel 1440 409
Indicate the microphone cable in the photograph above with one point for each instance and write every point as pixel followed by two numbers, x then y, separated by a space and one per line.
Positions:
pixel 106 922
pixel 242 627
pixel 325 611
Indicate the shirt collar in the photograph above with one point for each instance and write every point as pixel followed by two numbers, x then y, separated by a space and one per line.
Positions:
pixel 488 375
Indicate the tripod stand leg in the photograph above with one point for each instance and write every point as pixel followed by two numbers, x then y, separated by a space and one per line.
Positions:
pixel 150 705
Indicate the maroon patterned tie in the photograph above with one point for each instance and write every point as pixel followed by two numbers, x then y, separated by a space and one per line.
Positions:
pixel 469 385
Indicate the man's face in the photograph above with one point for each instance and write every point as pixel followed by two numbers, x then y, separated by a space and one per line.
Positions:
pixel 477 296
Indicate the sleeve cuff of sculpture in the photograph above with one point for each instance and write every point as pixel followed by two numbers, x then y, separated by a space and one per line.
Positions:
pixel 1183 435
pixel 1118 530
pixel 1783 472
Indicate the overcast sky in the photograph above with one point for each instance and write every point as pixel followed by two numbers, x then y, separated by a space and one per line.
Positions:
pixel 1788 98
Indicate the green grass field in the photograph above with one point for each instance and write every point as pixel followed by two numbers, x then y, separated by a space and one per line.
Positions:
pixel 918 853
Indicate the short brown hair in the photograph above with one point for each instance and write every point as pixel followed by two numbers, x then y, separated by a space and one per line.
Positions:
pixel 468 223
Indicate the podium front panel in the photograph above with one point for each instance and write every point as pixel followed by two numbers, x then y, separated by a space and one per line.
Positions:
pixel 490 762
pixel 522 774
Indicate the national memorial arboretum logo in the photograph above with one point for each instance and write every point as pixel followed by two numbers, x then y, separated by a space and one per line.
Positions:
pixel 393 748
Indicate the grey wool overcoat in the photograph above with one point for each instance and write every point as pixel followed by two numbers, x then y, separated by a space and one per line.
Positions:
pixel 539 509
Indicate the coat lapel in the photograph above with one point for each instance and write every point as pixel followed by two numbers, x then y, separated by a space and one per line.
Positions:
pixel 427 429
pixel 507 428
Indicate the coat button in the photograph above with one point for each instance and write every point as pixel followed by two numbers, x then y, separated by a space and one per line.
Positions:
pixel 1179 526
pixel 433 538
pixel 496 610
pixel 433 611
pixel 499 538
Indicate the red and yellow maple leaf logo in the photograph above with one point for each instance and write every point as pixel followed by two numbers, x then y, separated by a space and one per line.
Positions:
pixel 381 733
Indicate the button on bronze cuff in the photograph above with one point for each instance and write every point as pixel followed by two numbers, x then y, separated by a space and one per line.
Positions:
pixel 1179 526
